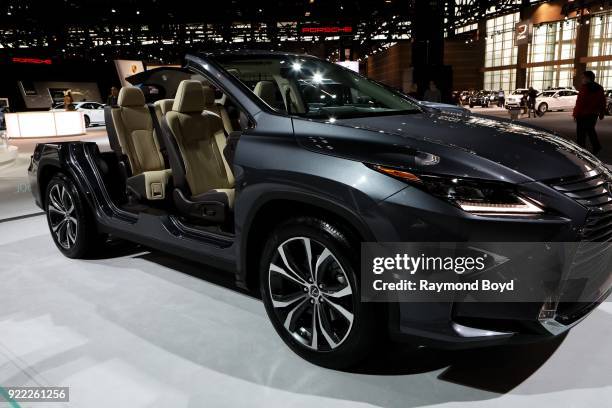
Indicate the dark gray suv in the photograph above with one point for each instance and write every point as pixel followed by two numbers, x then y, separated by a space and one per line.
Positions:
pixel 275 167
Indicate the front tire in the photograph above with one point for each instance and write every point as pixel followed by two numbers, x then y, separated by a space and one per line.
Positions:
pixel 71 224
pixel 543 107
pixel 311 293
pixel 87 121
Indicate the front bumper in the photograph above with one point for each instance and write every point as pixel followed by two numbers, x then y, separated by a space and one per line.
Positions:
pixel 512 103
pixel 417 217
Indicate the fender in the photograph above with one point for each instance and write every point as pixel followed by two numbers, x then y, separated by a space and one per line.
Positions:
pixel 56 157
pixel 257 196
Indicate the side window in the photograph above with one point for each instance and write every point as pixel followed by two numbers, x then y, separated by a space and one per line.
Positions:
pixel 86 106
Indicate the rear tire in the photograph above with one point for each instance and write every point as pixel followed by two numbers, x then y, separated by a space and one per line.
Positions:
pixel 311 293
pixel 70 220
pixel 87 121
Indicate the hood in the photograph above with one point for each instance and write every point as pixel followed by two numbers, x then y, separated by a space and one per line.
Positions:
pixel 533 153
pixel 445 107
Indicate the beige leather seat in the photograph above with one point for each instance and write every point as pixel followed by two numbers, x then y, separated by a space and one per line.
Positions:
pixel 266 90
pixel 195 148
pixel 134 127
pixel 211 105
pixel 162 107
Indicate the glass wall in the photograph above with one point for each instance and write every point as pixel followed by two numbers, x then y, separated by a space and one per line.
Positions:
pixel 600 44
pixel 500 79
pixel 542 78
pixel 552 42
pixel 500 51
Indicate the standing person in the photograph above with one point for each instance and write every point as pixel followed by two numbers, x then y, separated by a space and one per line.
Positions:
pixel 532 94
pixel 432 94
pixel 68 101
pixel 590 105
pixel 501 98
pixel 113 97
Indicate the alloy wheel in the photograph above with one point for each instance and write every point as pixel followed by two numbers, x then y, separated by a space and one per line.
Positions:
pixel 62 216
pixel 311 294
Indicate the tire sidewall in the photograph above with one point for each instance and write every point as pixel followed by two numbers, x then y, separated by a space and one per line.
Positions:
pixel 84 227
pixel 543 108
pixel 351 350
pixel 87 121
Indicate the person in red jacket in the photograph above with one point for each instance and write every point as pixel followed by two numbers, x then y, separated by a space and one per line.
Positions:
pixel 590 105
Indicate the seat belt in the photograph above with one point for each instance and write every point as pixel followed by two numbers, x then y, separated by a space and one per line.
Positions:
pixel 160 137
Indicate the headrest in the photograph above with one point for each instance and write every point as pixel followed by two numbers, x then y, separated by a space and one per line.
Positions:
pixel 130 96
pixel 266 91
pixel 164 105
pixel 189 97
pixel 209 96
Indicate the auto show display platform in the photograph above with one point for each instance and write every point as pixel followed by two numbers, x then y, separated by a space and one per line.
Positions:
pixel 142 329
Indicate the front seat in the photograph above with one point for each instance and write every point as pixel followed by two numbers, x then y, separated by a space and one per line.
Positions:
pixel 211 105
pixel 203 180
pixel 134 130
pixel 266 90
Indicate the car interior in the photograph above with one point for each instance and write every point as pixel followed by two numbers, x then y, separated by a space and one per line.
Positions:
pixel 172 152
pixel 308 89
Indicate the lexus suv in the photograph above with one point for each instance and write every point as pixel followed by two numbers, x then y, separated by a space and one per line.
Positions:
pixel 275 168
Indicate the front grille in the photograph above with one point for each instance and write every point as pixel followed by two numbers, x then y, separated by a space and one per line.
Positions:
pixel 592 190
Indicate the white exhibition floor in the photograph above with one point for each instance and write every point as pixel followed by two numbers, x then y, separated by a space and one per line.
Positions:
pixel 143 329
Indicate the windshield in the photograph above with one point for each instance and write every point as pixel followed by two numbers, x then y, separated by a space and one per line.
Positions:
pixel 313 88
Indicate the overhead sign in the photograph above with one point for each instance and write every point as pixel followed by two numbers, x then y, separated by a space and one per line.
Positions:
pixel 523 32
pixel 25 60
pixel 326 30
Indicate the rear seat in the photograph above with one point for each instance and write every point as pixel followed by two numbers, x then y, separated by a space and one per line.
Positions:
pixel 137 140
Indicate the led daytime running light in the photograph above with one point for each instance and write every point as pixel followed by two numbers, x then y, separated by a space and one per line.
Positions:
pixel 525 208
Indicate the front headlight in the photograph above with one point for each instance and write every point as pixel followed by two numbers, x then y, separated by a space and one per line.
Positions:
pixel 473 196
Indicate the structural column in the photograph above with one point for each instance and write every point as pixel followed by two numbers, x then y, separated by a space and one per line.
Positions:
pixel 428 46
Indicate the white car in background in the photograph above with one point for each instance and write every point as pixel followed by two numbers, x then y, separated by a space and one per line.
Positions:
pixel 93 112
pixel 515 99
pixel 556 100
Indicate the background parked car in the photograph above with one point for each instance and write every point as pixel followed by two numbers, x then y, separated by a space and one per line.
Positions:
pixel 93 112
pixel 464 97
pixel 556 100
pixel 515 99
pixel 609 105
pixel 482 98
